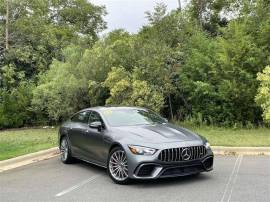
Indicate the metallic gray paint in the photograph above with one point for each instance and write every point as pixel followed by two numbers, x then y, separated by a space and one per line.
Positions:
pixel 93 146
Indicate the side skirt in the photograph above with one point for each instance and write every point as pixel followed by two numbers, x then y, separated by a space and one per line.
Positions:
pixel 91 162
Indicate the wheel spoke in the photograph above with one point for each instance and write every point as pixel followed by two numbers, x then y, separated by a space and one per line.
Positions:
pixel 113 163
pixel 125 159
pixel 115 169
pixel 113 159
pixel 115 166
pixel 122 155
pixel 118 172
pixel 125 172
pixel 116 157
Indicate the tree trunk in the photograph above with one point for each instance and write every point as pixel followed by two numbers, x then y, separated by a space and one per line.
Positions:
pixel 179 5
pixel 7 23
pixel 170 105
pixel 200 11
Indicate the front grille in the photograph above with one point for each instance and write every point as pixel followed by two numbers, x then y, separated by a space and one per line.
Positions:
pixel 182 154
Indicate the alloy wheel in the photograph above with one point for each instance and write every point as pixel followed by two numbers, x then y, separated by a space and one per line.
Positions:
pixel 118 165
pixel 64 149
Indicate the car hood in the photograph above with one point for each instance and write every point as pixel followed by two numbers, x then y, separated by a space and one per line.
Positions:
pixel 160 133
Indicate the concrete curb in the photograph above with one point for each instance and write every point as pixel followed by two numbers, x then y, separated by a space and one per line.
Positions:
pixel 49 153
pixel 28 158
pixel 250 151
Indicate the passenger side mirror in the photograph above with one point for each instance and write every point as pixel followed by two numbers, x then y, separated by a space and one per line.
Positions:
pixel 96 124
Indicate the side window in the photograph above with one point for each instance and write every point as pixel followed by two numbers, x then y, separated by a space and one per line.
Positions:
pixel 94 116
pixel 81 117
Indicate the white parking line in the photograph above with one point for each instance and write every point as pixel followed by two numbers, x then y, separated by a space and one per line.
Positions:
pixel 77 186
pixel 232 178
pixel 235 177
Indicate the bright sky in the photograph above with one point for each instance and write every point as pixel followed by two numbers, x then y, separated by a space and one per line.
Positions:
pixel 130 14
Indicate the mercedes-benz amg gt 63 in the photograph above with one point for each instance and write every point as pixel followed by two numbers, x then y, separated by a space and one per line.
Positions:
pixel 133 143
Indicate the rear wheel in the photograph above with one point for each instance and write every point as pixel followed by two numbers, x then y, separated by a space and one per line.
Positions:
pixel 118 166
pixel 65 151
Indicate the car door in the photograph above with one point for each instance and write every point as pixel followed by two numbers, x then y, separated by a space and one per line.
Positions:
pixel 95 143
pixel 78 127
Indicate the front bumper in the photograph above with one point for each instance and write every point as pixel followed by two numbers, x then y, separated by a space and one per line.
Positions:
pixel 142 167
pixel 156 170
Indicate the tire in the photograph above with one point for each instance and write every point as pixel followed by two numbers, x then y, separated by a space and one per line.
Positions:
pixel 117 166
pixel 65 152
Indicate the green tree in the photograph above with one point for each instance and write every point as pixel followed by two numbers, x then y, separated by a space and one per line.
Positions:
pixel 263 96
pixel 200 62
pixel 126 90
pixel 211 15
pixel 63 89
pixel 15 99
pixel 39 30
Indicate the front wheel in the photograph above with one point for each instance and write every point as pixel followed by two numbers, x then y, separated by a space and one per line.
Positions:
pixel 65 151
pixel 117 166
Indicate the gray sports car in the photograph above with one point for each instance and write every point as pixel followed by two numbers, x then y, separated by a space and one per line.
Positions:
pixel 133 143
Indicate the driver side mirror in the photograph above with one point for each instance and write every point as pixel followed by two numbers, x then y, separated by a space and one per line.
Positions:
pixel 96 124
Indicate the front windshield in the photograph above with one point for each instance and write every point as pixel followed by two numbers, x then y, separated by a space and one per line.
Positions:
pixel 130 117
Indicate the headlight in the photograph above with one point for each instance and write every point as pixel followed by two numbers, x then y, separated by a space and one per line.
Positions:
pixel 139 150
pixel 207 145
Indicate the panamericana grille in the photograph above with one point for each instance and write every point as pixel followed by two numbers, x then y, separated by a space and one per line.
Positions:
pixel 182 154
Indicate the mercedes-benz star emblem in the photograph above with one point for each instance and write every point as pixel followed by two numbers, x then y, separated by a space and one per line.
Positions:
pixel 186 154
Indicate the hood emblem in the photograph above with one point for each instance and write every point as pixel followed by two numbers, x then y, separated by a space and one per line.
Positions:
pixel 186 154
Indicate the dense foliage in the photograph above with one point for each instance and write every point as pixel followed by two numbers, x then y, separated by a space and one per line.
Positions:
pixel 206 63
pixel 263 98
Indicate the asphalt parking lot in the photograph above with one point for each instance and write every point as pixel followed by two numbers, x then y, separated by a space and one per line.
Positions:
pixel 234 178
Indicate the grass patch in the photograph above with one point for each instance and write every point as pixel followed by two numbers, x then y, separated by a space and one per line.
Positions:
pixel 240 137
pixel 24 141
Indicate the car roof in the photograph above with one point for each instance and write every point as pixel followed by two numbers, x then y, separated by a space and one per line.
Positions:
pixel 101 108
